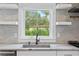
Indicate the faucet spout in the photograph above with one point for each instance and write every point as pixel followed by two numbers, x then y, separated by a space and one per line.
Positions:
pixel 37 37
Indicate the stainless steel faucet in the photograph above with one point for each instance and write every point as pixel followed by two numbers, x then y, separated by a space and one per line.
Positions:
pixel 37 37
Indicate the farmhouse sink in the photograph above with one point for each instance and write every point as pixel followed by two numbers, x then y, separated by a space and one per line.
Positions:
pixel 36 46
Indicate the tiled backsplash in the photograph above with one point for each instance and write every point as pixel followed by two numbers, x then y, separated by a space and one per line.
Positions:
pixel 8 34
pixel 8 14
pixel 70 32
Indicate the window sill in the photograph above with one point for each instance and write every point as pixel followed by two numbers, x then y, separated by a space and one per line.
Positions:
pixel 45 40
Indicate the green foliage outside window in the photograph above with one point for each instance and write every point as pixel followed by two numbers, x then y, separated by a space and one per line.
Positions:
pixel 37 19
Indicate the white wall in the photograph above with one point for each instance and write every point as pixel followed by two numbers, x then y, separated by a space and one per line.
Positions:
pixel 37 5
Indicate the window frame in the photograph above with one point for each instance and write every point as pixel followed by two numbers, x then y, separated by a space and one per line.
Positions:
pixel 52 24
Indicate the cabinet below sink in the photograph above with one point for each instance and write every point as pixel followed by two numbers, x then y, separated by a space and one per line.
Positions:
pixel 36 53
pixel 47 53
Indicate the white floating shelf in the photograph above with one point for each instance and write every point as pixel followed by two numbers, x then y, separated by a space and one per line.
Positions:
pixel 16 23
pixel 63 23
pixel 8 23
pixel 8 6
pixel 63 6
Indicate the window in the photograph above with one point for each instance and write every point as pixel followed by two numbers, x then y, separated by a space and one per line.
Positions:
pixel 36 21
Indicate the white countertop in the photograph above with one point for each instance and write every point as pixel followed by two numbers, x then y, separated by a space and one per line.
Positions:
pixel 65 47
pixel 53 47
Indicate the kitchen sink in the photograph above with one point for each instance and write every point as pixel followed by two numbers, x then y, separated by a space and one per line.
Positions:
pixel 36 46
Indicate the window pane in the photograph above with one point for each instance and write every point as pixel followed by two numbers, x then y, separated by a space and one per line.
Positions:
pixel 36 21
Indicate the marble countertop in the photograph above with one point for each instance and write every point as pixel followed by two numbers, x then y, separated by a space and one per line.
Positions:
pixel 52 47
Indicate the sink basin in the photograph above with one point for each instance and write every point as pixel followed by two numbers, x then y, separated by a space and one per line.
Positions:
pixel 36 46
